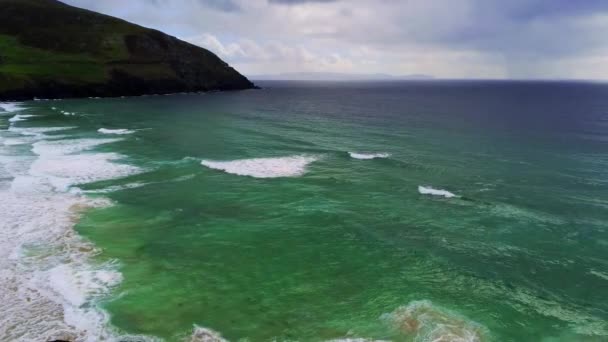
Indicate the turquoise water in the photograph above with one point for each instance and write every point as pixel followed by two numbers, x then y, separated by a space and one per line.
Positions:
pixel 431 211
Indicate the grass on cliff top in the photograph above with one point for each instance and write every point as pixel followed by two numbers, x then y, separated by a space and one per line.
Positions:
pixel 24 61
pixel 46 40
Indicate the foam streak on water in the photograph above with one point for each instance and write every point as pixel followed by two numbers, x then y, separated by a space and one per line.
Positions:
pixel 427 190
pixel 20 117
pixel 48 284
pixel 364 156
pixel 118 131
pixel 9 107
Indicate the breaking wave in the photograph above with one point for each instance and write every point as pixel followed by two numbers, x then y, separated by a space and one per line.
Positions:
pixel 200 334
pixel 291 166
pixel 425 322
pixel 427 190
pixel 118 131
pixel 48 285
pixel 10 107
pixel 20 117
pixel 364 156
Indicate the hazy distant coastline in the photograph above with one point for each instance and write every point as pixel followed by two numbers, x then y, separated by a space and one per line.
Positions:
pixel 330 76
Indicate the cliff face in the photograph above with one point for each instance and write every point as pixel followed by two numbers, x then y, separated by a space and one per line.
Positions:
pixel 51 50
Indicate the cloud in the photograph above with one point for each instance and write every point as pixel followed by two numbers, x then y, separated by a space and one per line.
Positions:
pixel 224 5
pixel 459 38
pixel 253 57
pixel 296 2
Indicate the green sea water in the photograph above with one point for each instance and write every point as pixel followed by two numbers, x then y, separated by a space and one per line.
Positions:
pixel 342 229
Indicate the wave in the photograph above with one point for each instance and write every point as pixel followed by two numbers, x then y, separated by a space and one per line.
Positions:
pixel 132 185
pixel 29 135
pixel 365 156
pixel 291 166
pixel 68 146
pixel 599 274
pixel 115 188
pixel 60 165
pixel 427 190
pixel 48 285
pixel 200 334
pixel 38 131
pixel 118 131
pixel 423 321
pixel 355 339
pixel 10 107
pixel 14 141
pixel 20 117
pixel 67 113
pixel 39 296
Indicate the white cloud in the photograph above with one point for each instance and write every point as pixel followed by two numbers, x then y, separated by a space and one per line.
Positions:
pixel 459 38
pixel 252 57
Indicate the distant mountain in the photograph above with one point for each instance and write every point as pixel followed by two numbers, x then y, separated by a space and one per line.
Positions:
pixel 49 50
pixel 328 76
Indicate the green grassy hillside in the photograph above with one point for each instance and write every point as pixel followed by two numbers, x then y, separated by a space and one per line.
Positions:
pixel 50 49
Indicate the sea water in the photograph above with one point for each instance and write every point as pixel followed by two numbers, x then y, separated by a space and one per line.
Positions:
pixel 397 211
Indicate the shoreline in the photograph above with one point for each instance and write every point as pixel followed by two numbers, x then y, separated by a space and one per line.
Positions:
pixel 43 97
pixel 49 285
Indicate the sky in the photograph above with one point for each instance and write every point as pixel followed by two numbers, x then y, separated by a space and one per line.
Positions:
pixel 498 39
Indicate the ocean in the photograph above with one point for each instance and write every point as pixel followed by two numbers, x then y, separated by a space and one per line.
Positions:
pixel 309 211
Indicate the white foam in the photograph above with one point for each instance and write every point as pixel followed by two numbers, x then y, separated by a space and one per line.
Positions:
pixel 45 278
pixel 64 171
pixel 37 131
pixel 356 339
pixel 133 185
pixel 599 274
pixel 115 188
pixel 16 165
pixel 427 190
pixel 20 117
pixel 200 334
pixel 10 107
pixel 61 167
pixel 364 156
pixel 68 146
pixel 425 322
pixel 118 131
pixel 291 166
pixel 79 286
pixel 14 141
pixel 48 286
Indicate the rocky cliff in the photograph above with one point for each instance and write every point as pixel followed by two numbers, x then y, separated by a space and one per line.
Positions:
pixel 51 50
